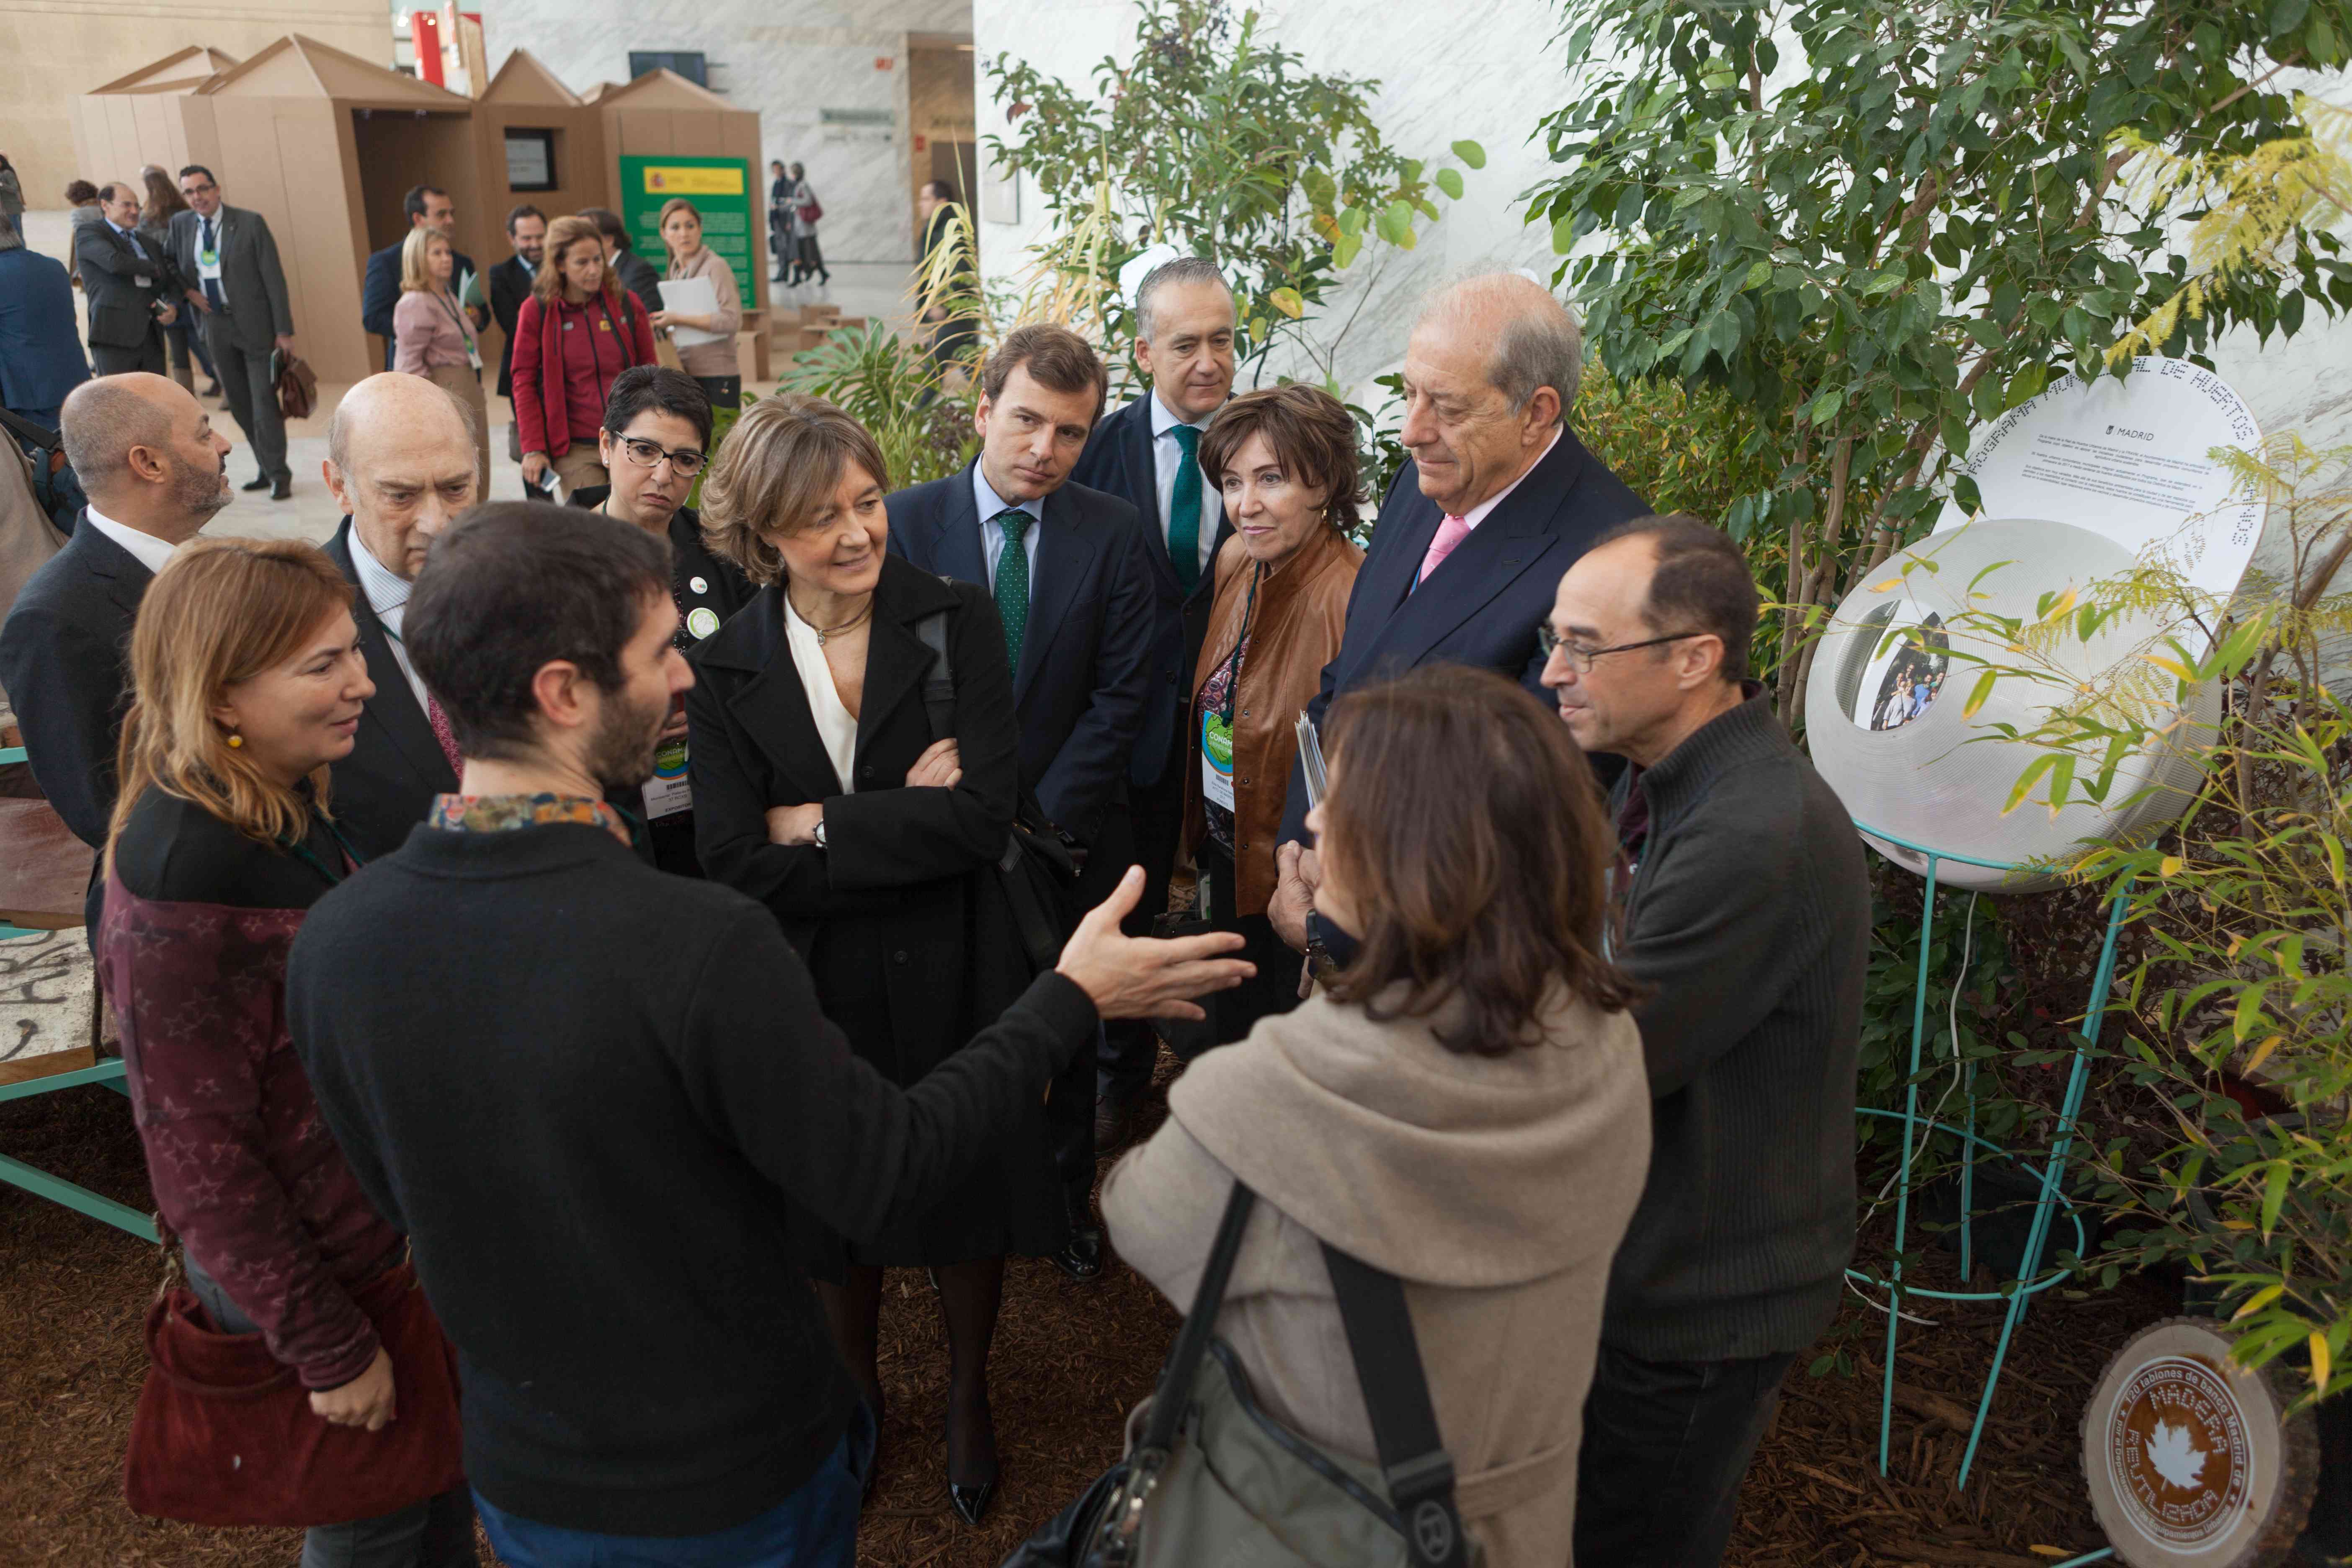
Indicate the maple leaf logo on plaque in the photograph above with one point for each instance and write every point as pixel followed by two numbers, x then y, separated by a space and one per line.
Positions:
pixel 2176 1456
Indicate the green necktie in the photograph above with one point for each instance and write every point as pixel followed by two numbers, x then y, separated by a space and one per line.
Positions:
pixel 1013 583
pixel 1184 508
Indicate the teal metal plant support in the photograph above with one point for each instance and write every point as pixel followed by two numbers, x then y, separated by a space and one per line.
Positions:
pixel 2030 1280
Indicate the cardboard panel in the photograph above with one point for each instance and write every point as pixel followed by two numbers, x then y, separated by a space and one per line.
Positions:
pixel 642 133
pixel 322 274
pixel 697 134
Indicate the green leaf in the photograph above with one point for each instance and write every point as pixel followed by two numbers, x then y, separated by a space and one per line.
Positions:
pixel 1977 695
pixel 1450 182
pixel 1824 407
pixel 1351 221
pixel 1885 283
pixel 1287 302
pixel 1394 223
pixel 1563 235
pixel 1471 155
pixel 2286 15
pixel 1344 250
pixel 2274 1195
pixel 1759 274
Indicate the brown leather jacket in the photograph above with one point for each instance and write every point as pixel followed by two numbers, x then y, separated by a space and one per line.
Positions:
pixel 1294 632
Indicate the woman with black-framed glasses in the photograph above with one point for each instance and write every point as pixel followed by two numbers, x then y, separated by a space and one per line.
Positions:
pixel 655 445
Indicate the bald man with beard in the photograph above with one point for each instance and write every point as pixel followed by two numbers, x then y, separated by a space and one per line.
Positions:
pixel 155 471
pixel 400 461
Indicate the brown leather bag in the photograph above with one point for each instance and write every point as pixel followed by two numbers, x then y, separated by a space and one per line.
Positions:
pixel 298 387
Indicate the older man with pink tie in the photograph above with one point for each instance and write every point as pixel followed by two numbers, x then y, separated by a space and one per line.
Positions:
pixel 1498 499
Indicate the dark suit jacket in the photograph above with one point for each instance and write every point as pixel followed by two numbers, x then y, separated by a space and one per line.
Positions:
pixel 1481 605
pixel 253 280
pixel 1119 461
pixel 386 786
pixel 1086 663
pixel 40 361
pixel 380 294
pixel 65 664
pixel 122 311
pixel 640 277
pixel 508 287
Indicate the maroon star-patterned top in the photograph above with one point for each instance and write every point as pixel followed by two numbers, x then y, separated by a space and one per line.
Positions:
pixel 241 1164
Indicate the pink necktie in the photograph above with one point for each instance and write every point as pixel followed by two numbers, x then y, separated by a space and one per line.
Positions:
pixel 1450 532
pixel 443 733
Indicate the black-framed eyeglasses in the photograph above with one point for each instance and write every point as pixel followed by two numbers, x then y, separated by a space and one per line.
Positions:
pixel 195 189
pixel 685 462
pixel 1580 659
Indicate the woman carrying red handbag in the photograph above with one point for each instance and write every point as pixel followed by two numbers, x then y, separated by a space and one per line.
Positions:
pixel 298 1378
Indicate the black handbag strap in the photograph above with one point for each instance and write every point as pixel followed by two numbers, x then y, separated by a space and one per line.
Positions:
pixel 1418 1472
pixel 1176 1378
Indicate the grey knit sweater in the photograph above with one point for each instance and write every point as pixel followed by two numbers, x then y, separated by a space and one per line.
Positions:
pixel 1749 913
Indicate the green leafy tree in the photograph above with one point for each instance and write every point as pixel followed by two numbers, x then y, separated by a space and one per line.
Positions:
pixel 1875 223
pixel 1212 140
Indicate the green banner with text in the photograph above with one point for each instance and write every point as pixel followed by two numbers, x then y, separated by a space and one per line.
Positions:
pixel 721 189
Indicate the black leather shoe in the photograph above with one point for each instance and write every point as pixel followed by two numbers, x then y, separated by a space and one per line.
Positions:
pixel 282 490
pixel 258 482
pixel 972 1501
pixel 1081 1259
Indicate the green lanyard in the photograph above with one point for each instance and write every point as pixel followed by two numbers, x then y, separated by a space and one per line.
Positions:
pixel 301 850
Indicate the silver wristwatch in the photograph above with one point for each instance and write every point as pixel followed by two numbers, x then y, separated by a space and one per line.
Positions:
pixel 818 835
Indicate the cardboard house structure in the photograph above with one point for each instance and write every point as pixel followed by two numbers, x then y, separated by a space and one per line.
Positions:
pixel 324 145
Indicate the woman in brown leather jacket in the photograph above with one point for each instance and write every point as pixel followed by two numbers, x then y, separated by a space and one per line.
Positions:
pixel 1284 459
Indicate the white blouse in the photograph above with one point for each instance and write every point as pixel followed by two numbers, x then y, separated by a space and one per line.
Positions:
pixel 835 725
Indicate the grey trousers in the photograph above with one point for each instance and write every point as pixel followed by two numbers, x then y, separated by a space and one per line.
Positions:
pixel 436 1533
pixel 252 397
pixel 106 360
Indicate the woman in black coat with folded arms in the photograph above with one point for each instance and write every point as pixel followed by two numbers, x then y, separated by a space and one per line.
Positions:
pixel 820 789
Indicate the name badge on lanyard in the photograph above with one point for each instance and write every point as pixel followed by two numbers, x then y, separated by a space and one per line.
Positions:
pixel 1217 758
pixel 668 792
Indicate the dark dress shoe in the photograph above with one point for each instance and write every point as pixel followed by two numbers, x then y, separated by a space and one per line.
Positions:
pixel 972 1501
pixel 1081 1259
pixel 282 490
pixel 213 390
pixel 258 482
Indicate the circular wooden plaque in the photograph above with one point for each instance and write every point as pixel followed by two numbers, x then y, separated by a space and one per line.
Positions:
pixel 2188 1457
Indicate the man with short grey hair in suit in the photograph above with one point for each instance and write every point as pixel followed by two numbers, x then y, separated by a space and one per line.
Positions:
pixel 229 260
pixel 124 281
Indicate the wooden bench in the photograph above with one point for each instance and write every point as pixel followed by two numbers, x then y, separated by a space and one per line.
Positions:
pixel 44 876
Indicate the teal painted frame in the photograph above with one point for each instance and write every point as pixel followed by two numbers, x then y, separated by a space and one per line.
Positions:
pixel 33 1179
pixel 2030 1280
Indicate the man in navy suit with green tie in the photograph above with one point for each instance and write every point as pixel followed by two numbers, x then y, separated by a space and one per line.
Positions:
pixel 1147 454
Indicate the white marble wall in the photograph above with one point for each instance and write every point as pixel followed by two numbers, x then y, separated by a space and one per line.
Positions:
pixel 1490 70
pixel 789 59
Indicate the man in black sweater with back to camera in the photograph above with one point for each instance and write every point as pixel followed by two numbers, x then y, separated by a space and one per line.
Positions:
pixel 1746 906
pixel 593 1095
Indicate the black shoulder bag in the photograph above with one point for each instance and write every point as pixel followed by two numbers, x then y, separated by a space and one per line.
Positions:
pixel 1213 1478
pixel 1036 870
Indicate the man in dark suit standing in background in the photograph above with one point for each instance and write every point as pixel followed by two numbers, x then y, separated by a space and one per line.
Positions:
pixel 1146 453
pixel 428 207
pixel 1499 499
pixel 1067 566
pixel 510 286
pixel 129 307
pixel 400 459
pixel 155 471
pixel 228 259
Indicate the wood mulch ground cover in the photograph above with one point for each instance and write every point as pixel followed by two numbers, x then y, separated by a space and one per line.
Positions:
pixel 1069 1359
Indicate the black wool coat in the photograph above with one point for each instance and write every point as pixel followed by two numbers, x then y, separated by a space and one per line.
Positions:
pixel 901 918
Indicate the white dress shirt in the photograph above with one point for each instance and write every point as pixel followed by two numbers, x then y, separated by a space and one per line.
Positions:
pixel 1477 514
pixel 131 237
pixel 992 537
pixel 152 553
pixel 387 596
pixel 1167 455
